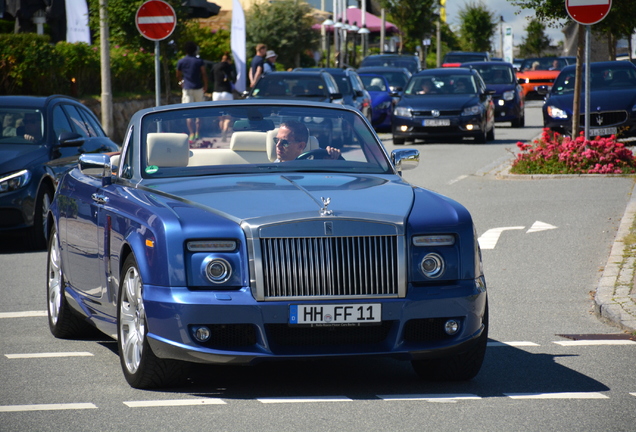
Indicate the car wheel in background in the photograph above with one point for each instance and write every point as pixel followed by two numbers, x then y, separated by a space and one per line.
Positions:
pixel 460 367
pixel 481 137
pixel 38 233
pixel 398 141
pixel 64 323
pixel 142 369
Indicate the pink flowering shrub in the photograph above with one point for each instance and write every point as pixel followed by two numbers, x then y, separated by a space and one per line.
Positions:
pixel 553 153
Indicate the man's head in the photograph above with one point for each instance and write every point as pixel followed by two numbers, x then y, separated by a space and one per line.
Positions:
pixel 261 49
pixel 190 48
pixel 291 140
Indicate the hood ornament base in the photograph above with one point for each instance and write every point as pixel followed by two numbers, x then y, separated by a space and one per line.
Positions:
pixel 324 211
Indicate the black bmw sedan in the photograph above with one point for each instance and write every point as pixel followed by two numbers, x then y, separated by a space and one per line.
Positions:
pixel 445 103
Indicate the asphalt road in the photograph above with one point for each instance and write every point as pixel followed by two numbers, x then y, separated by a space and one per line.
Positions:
pixel 545 243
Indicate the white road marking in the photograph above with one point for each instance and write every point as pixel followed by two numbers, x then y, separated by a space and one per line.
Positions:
pixel 305 399
pixel 633 394
pixel 565 395
pixel 25 314
pixel 512 344
pixel 49 355
pixel 540 226
pixel 489 239
pixel 174 402
pixel 455 180
pixel 46 407
pixel 430 397
pixel 594 342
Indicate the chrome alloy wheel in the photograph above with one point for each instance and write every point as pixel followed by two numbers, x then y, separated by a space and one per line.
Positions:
pixel 55 280
pixel 132 320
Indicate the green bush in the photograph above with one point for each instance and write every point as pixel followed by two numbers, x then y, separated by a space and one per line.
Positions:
pixel 28 64
pixel 132 70
pixel 80 68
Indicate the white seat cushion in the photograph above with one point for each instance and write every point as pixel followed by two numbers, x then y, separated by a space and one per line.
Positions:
pixel 168 149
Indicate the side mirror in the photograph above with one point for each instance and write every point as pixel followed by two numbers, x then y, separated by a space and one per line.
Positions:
pixel 359 93
pixel 543 90
pixel 70 139
pixel 405 159
pixel 96 165
pixel 333 96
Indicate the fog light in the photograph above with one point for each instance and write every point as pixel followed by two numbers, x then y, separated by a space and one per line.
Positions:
pixel 218 270
pixel 404 128
pixel 202 334
pixel 451 327
pixel 432 265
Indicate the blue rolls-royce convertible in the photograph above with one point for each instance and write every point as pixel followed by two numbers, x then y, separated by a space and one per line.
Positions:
pixel 252 243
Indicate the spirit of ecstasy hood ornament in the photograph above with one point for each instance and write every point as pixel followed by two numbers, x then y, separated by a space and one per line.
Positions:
pixel 324 211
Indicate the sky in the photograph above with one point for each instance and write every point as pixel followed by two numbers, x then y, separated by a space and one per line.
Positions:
pixel 518 22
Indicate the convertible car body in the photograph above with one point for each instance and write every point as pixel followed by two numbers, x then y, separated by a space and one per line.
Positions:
pixel 217 253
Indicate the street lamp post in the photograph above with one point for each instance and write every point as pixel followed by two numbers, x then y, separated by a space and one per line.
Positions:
pixel 337 55
pixel 364 31
pixel 354 29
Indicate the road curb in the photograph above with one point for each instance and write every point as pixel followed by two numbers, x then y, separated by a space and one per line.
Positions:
pixel 614 299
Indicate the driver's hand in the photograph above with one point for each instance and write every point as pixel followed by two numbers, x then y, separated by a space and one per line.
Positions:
pixel 334 153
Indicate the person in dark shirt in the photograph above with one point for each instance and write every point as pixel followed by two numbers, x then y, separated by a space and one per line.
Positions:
pixel 258 64
pixel 193 80
pixel 223 78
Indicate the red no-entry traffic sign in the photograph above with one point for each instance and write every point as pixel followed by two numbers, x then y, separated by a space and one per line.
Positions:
pixel 155 20
pixel 588 12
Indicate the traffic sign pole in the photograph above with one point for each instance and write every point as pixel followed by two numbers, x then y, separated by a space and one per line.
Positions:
pixel 587 12
pixel 156 20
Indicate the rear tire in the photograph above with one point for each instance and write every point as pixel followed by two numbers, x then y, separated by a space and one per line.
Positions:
pixel 490 136
pixel 398 141
pixel 142 368
pixel 460 367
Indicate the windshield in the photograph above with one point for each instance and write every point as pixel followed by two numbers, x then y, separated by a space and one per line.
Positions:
pixel 441 84
pixel 464 58
pixel 410 64
pixel 254 138
pixel 496 74
pixel 603 78
pixel 21 126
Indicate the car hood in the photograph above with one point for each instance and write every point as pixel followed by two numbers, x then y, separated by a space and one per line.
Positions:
pixel 262 199
pixel 14 157
pixel 439 102
pixel 600 100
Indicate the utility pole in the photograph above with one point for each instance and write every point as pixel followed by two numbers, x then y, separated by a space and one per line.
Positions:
pixel 107 97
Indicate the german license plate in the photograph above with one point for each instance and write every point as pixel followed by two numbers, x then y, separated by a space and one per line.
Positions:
pixel 335 314
pixel 603 131
pixel 437 122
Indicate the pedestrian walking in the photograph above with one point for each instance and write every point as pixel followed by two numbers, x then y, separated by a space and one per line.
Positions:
pixel 223 78
pixel 193 80
pixel 257 65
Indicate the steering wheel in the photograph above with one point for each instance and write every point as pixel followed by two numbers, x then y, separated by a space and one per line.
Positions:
pixel 314 154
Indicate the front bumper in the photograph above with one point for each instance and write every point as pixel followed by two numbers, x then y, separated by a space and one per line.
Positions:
pixel 460 126
pixel 506 111
pixel 245 331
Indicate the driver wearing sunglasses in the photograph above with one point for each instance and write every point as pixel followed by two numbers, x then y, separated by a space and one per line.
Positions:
pixel 291 140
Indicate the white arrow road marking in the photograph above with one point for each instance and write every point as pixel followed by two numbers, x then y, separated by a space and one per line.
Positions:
pixel 540 226
pixel 489 239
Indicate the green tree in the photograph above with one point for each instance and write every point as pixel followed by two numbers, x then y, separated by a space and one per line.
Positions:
pixel 285 27
pixel 414 18
pixel 536 41
pixel 477 26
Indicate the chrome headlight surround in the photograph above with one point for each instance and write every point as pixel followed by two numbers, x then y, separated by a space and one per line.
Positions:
pixel 15 181
pixel 509 95
pixel 218 270
pixel 432 265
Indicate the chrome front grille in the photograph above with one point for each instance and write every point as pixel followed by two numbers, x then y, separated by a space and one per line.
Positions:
pixel 331 267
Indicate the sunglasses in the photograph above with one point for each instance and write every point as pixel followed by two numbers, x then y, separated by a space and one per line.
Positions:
pixel 282 142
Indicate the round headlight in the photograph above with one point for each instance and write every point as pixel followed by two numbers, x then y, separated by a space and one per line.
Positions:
pixel 218 270
pixel 432 265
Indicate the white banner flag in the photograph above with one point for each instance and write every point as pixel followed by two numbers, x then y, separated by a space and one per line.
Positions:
pixel 77 21
pixel 508 45
pixel 237 41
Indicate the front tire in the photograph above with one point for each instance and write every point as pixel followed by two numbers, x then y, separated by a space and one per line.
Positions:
pixel 398 141
pixel 142 369
pixel 38 234
pixel 460 367
pixel 64 323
